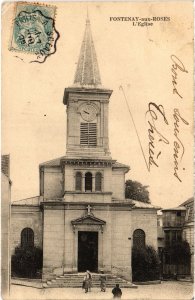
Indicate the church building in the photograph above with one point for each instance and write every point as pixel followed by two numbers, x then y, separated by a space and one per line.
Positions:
pixel 81 219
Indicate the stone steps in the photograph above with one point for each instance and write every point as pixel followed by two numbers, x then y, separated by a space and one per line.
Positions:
pixel 76 280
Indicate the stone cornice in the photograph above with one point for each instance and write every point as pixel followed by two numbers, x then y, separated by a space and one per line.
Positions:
pixel 88 162
pixel 87 193
pixel 82 90
pixel 82 205
pixel 25 209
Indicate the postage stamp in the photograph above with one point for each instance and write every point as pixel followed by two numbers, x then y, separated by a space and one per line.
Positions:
pixel 34 31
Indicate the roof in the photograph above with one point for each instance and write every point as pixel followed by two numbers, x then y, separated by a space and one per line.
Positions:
pixel 189 205
pixel 140 204
pixel 33 201
pixel 5 164
pixel 190 200
pixel 119 165
pixel 87 72
pixel 52 163
pixel 178 208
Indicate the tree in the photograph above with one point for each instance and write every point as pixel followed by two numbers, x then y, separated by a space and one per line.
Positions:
pixel 145 264
pixel 136 191
pixel 27 262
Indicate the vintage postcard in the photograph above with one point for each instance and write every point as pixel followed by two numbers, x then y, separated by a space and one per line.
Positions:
pixel 97 150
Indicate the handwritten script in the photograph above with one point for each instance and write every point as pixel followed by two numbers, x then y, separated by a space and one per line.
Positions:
pixel 176 66
pixel 156 118
pixel 155 112
pixel 179 148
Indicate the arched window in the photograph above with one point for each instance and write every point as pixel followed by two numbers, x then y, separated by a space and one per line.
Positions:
pixel 27 237
pixel 139 238
pixel 78 183
pixel 88 182
pixel 98 182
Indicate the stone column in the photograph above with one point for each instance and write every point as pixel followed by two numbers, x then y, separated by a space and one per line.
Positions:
pixel 101 259
pixel 102 183
pixel 93 183
pixel 74 265
pixel 83 183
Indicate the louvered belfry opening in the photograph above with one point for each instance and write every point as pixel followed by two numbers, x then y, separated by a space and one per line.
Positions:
pixel 88 134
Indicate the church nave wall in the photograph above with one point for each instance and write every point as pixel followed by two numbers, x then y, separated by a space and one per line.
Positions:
pixel 146 219
pixel 25 217
pixel 53 183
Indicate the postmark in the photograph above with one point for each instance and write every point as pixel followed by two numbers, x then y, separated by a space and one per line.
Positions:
pixel 34 31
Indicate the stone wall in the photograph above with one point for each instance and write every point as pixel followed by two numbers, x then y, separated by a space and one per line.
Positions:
pixel 53 183
pixel 121 244
pixel 145 219
pixel 25 216
pixel 5 236
pixel 69 183
pixel 71 238
pixel 118 184
pixel 60 241
pixel 53 242
pixel 100 103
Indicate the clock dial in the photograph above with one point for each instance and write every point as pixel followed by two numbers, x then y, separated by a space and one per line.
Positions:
pixel 88 112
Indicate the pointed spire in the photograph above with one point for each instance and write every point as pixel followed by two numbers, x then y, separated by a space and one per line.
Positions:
pixel 87 72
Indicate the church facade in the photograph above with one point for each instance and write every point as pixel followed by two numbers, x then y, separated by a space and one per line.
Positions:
pixel 81 219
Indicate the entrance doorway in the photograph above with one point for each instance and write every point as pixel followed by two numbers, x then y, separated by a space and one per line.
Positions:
pixel 87 251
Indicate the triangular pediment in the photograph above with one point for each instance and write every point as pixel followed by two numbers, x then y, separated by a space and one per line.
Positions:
pixel 88 220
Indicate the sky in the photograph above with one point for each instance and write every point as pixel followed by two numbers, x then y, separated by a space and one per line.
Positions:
pixel 138 58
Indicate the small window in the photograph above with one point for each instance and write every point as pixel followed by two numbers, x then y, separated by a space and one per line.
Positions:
pixel 139 238
pixel 78 181
pixel 27 237
pixel 98 182
pixel 178 214
pixel 88 182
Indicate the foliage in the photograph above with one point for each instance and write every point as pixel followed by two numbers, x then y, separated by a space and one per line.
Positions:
pixel 145 264
pixel 136 191
pixel 27 262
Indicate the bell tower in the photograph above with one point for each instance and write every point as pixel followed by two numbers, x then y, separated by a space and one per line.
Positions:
pixel 87 106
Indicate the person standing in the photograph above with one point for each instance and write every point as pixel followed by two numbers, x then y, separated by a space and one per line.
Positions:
pixel 89 281
pixel 117 293
pixel 86 282
pixel 103 280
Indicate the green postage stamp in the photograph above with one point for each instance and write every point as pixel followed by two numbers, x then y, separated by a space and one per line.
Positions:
pixel 34 31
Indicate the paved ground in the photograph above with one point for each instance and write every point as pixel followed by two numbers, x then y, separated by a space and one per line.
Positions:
pixel 165 290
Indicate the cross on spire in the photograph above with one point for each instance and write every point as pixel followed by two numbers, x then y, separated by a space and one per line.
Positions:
pixel 87 72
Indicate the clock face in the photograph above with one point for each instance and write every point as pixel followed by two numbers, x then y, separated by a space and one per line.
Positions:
pixel 88 112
